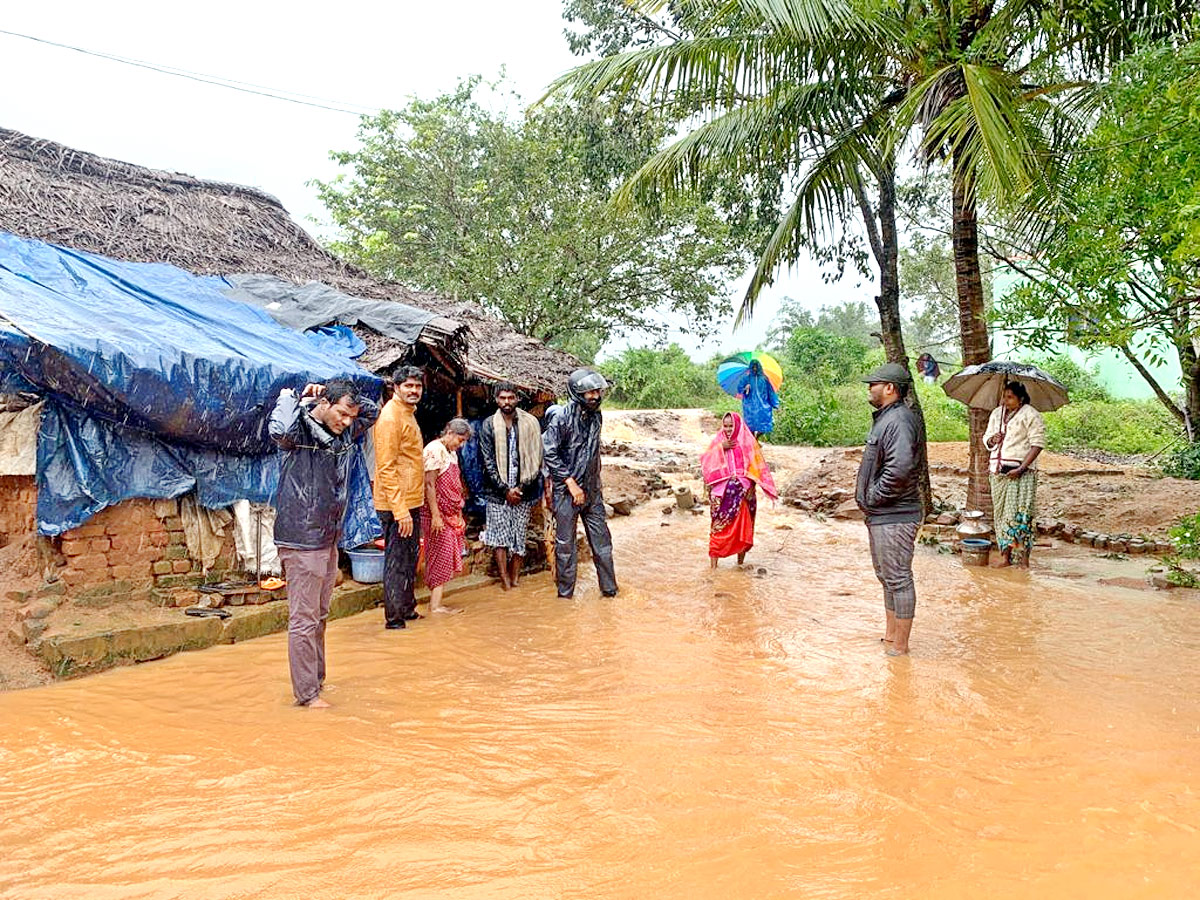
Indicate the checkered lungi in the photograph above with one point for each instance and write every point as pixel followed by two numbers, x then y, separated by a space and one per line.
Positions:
pixel 892 554
pixel 507 526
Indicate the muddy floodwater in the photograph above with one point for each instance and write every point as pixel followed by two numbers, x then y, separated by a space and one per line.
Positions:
pixel 707 734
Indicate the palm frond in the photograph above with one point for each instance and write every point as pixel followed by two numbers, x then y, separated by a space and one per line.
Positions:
pixel 823 199
pixel 722 69
pixel 774 133
pixel 816 20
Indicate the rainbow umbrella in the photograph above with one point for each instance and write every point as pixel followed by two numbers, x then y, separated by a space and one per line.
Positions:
pixel 735 373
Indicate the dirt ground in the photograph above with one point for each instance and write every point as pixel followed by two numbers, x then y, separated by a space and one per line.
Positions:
pixel 1099 497
pixel 647 453
pixel 21 571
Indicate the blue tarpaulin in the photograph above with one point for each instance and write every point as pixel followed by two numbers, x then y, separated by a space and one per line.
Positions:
pixel 156 383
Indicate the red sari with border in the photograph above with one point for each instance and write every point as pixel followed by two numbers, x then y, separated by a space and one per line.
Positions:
pixel 731 476
pixel 444 550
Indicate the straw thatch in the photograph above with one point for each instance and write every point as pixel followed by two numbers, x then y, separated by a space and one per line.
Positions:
pixel 87 202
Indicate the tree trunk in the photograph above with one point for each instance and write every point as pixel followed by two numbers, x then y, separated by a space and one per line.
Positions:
pixel 890 320
pixel 972 325
pixel 1163 397
pixel 1189 365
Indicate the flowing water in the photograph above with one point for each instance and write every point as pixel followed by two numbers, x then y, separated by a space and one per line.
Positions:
pixel 707 734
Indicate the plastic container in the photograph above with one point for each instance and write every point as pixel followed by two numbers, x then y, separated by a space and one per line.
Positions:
pixel 975 551
pixel 366 565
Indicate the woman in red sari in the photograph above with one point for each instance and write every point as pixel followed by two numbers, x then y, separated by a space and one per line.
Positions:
pixel 733 466
pixel 442 521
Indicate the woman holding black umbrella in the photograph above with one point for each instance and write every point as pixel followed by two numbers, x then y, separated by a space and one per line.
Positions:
pixel 1015 436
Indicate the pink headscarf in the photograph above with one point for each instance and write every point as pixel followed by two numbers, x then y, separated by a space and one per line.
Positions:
pixel 744 459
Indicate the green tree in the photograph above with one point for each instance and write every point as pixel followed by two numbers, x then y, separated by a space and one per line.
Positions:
pixel 927 278
pixel 653 378
pixel 1120 268
pixel 1081 383
pixel 833 87
pixel 451 196
pixel 791 315
pixel 821 357
pixel 605 27
pixel 849 319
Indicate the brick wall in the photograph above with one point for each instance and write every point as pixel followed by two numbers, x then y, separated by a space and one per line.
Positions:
pixel 130 549
pixel 18 505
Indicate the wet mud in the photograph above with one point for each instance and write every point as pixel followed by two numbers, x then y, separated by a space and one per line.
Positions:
pixel 707 734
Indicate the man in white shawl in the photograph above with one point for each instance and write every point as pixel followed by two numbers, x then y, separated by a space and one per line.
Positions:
pixel 510 447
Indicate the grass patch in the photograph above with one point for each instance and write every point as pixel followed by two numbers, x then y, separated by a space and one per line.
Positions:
pixel 1116 426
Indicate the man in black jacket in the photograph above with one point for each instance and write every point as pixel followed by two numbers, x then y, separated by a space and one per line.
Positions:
pixel 571 444
pixel 317 433
pixel 510 450
pixel 888 495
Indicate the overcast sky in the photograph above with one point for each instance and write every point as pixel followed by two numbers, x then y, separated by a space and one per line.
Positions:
pixel 354 52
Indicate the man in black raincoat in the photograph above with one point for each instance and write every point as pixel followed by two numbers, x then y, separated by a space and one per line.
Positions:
pixel 317 433
pixel 571 444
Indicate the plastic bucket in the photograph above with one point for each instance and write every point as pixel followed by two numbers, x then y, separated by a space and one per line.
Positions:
pixel 366 565
pixel 975 551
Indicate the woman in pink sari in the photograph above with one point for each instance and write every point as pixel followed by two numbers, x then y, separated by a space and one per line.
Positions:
pixel 733 466
pixel 442 522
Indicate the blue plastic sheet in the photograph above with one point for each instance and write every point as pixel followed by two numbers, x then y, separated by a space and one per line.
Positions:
pixel 156 383
pixel 471 464
pixel 339 339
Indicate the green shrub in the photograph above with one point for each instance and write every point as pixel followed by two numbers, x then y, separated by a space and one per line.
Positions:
pixel 945 419
pixel 1185 535
pixel 1116 426
pixel 650 378
pixel 824 358
pixel 1183 462
pixel 1081 383
pixel 840 415
pixel 821 416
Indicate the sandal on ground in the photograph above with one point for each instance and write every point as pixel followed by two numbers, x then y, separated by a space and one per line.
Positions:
pixel 202 612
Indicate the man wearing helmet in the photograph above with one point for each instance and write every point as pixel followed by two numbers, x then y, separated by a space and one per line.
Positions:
pixel 571 443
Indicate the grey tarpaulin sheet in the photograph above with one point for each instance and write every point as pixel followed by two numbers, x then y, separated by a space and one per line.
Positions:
pixel 311 305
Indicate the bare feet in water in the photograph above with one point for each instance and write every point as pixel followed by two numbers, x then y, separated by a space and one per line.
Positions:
pixel 447 610
pixel 318 703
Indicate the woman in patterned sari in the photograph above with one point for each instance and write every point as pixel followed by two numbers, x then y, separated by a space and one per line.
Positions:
pixel 1014 437
pixel 442 521
pixel 733 466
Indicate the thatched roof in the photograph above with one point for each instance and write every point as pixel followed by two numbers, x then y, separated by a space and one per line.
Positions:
pixel 75 199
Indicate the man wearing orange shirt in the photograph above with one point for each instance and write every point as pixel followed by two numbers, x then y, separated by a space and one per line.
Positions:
pixel 399 493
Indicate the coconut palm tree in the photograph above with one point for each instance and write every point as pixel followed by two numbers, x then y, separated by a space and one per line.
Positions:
pixel 833 90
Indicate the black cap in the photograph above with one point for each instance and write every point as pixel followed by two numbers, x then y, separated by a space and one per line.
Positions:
pixel 892 373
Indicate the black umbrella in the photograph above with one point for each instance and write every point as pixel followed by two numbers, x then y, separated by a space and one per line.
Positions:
pixel 982 386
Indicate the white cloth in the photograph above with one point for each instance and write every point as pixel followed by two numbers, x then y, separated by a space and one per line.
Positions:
pixel 438 457
pixel 18 440
pixel 203 529
pixel 1023 430
pixel 245 515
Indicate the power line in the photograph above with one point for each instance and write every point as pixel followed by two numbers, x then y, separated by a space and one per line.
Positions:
pixel 245 87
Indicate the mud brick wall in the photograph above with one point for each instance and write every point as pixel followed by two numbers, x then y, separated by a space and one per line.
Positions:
pixel 131 549
pixel 18 506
